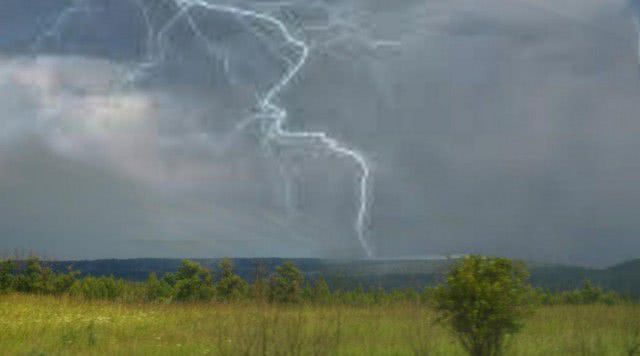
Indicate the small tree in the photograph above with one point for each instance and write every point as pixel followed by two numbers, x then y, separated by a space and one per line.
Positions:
pixel 483 300
pixel 7 277
pixel 321 292
pixel 64 281
pixel 230 286
pixel 98 288
pixel 193 282
pixel 34 278
pixel 260 287
pixel 286 284
pixel 156 290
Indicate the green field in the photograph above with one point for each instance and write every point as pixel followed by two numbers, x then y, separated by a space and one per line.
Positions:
pixel 34 325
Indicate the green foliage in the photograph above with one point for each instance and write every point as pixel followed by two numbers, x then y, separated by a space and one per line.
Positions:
pixel 33 278
pixel 484 300
pixel 7 279
pixel 378 295
pixel 355 297
pixel 62 282
pixel 170 279
pixel 259 290
pixel 286 284
pixel 193 283
pixel 588 294
pixel 320 292
pixel 157 290
pixel 230 287
pixel 106 288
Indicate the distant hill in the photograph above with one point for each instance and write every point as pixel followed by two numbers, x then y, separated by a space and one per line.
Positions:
pixel 623 278
pixel 347 274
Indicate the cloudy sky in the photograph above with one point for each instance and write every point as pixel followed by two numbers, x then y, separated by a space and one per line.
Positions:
pixel 504 127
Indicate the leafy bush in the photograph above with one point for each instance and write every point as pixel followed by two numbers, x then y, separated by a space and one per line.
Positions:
pixel 259 290
pixel 320 292
pixel 39 279
pixel 106 288
pixel 286 284
pixel 33 279
pixel 7 278
pixel 230 287
pixel 62 282
pixel 193 283
pixel 484 300
pixel 157 290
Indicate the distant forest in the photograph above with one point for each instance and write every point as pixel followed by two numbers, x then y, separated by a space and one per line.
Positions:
pixel 623 278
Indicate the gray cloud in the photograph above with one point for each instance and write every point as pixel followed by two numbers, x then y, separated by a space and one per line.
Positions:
pixel 502 127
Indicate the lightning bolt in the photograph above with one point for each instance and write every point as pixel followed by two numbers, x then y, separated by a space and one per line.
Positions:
pixel 273 118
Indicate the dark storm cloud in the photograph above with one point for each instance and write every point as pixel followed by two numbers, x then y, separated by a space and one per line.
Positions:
pixel 500 127
pixel 526 117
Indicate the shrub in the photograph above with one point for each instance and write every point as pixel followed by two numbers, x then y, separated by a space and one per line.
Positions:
pixel 320 292
pixel 230 287
pixel 286 284
pixel 157 290
pixel 63 282
pixel 35 278
pixel 193 283
pixel 483 300
pixel 7 278
pixel 259 290
pixel 107 288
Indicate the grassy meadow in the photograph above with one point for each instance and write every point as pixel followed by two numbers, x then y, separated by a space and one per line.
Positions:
pixel 47 325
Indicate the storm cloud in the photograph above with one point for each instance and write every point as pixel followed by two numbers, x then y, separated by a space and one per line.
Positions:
pixel 499 127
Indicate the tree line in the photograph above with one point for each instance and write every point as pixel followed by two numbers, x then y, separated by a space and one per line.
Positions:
pixel 287 284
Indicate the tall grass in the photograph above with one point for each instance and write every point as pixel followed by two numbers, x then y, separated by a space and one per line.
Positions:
pixel 46 325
